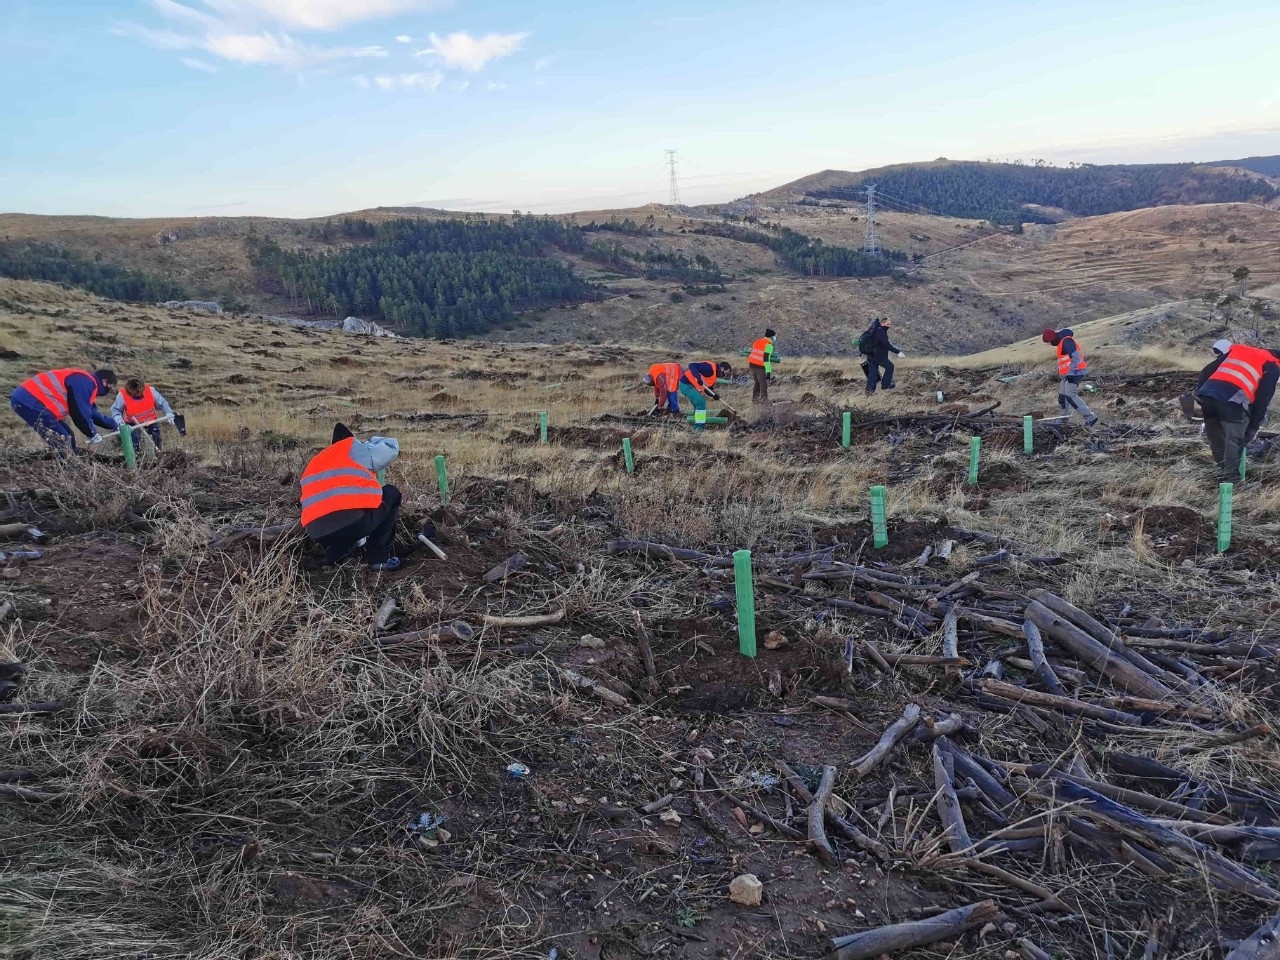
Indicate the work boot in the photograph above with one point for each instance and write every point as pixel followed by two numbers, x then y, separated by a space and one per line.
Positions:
pixel 1090 423
pixel 390 565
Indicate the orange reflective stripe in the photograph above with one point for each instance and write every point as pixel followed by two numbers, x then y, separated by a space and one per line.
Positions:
pixel 334 481
pixel 140 412
pixel 50 388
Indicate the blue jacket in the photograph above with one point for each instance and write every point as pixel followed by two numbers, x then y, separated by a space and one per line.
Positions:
pixel 700 371
pixel 84 414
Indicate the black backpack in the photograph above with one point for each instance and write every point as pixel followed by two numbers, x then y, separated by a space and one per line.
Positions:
pixel 866 344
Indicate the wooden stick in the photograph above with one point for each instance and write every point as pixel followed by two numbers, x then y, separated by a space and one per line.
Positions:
pixel 948 803
pixel 1029 951
pixel 782 828
pixel 44 706
pixel 817 817
pixel 507 567
pixel 699 804
pixel 15 792
pixel 384 614
pixel 1095 656
pixel 876 656
pixel 914 933
pixel 1262 944
pixel 459 630
pixel 931 729
pixel 1015 694
pixel 263 534
pixel 584 683
pixel 951 640
pixel 646 653
pixel 1041 665
pixel 535 620
pixel 656 805
pixel 12 531
pixel 888 740
pixel 993 624
pixel 1048 899
pixel 851 833
pixel 989 785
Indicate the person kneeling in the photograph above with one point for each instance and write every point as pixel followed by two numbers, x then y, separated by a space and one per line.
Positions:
pixel 344 507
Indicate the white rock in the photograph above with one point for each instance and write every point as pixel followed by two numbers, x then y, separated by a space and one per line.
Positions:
pixel 746 890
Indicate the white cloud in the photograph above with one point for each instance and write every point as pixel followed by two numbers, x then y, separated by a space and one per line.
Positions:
pixel 542 63
pixel 425 82
pixel 465 52
pixel 246 31
pixel 315 14
pixel 404 38
pixel 195 64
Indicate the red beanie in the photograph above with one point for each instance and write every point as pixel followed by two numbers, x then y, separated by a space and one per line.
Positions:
pixel 1048 335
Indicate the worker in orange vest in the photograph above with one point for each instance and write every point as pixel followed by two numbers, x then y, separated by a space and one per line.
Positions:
pixel 140 405
pixel 46 401
pixel 1234 392
pixel 698 383
pixel 1071 370
pixel 665 380
pixel 760 360
pixel 345 506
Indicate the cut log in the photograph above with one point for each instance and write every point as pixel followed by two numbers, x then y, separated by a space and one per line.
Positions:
pixel 817 817
pixel 970 768
pixel 12 531
pixel 1262 944
pixel 948 803
pixel 584 683
pixel 888 740
pixel 1095 656
pixel 507 567
pixel 385 612
pixel 993 624
pixel 914 933
pixel 1015 694
pixel 1173 844
pixel 459 630
pixel 1043 670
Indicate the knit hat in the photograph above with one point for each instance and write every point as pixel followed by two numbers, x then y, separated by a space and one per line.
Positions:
pixel 1048 335
pixel 1222 346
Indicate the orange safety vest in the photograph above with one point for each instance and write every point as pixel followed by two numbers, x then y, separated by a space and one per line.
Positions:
pixel 140 412
pixel 1242 367
pixel 671 371
pixel 757 351
pixel 1064 360
pixel 333 481
pixel 50 388
pixel 707 381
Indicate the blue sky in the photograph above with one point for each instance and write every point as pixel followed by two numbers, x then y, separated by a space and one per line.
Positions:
pixel 309 107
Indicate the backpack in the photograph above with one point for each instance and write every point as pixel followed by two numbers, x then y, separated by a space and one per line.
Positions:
pixel 865 342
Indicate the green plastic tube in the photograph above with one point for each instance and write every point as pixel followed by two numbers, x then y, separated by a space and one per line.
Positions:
pixel 442 478
pixel 975 452
pixel 626 455
pixel 746 602
pixel 846 428
pixel 1028 434
pixel 1244 463
pixel 690 418
pixel 126 444
pixel 879 518
pixel 542 426
pixel 1224 516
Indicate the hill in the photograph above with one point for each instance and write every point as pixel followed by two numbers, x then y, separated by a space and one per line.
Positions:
pixel 1014 193
pixel 552 738
pixel 1267 166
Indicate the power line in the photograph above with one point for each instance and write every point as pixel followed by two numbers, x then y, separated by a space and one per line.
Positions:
pixel 870 241
pixel 675 186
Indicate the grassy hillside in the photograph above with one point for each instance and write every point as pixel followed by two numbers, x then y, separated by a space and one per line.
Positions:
pixel 223 749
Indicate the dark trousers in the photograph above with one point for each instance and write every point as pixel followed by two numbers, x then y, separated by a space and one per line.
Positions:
pixel 879 371
pixel 1225 426
pixel 153 431
pixel 52 430
pixel 759 384
pixel 378 525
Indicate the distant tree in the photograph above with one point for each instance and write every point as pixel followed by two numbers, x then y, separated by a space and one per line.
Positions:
pixel 1240 275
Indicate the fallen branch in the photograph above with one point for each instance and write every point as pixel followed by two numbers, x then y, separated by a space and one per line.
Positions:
pixel 459 630
pixel 44 706
pixel 914 933
pixel 534 620
pixel 948 803
pixel 1095 655
pixel 263 534
pixel 506 568
pixel 661 551
pixel 577 680
pixel 646 654
pixel 1041 665
pixel 951 641
pixel 817 817
pixel 782 828
pixel 1262 944
pixel 385 612
pixel 1013 693
pixel 888 740
pixel 26 794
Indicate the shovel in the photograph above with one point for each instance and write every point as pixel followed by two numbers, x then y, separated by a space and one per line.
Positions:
pixel 174 419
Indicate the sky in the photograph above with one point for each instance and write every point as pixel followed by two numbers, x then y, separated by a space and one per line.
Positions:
pixel 312 107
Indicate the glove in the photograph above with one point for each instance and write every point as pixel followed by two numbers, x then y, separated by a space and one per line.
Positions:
pixel 713 395
pixel 901 354
pixel 96 438
pixel 1250 435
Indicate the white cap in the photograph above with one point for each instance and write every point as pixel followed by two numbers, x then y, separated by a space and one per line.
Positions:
pixel 1222 346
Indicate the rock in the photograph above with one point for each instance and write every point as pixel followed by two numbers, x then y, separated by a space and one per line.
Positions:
pixel 773 640
pixel 746 890
pixel 210 306
pixel 592 643
pixel 670 817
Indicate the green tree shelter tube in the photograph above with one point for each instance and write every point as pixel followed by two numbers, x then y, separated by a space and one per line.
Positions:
pixel 626 455
pixel 1028 434
pixel 746 602
pixel 975 452
pixel 442 478
pixel 846 426
pixel 126 444
pixel 1225 491
pixel 879 518
pixel 542 427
